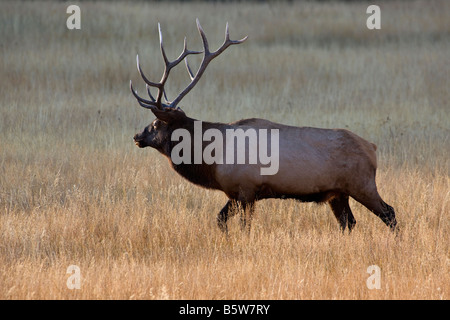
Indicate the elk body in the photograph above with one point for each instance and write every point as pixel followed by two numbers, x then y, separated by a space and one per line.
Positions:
pixel 314 165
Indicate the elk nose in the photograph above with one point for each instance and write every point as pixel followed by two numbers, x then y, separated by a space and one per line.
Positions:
pixel 135 137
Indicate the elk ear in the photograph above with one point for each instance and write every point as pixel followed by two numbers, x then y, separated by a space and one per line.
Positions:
pixel 169 114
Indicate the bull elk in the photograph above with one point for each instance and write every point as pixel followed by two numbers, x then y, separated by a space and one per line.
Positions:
pixel 314 165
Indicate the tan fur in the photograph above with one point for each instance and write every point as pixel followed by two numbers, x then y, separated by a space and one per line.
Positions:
pixel 311 160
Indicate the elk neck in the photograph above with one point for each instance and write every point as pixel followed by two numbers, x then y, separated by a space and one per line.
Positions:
pixel 201 174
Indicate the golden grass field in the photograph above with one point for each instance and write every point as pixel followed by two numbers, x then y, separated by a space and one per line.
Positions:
pixel 75 190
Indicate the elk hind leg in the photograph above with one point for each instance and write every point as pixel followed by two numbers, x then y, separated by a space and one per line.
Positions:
pixel 381 209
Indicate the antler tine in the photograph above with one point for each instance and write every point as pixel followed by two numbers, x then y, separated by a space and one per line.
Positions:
pixel 227 42
pixel 165 97
pixel 227 37
pixel 149 93
pixel 207 57
pixel 227 33
pixel 170 64
pixel 163 52
pixel 182 55
pixel 143 102
pixel 203 35
pixel 150 83
pixel 191 75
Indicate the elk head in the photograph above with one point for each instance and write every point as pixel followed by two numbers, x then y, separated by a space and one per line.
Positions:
pixel 168 115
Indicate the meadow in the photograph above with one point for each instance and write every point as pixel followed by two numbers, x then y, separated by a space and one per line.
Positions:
pixel 75 190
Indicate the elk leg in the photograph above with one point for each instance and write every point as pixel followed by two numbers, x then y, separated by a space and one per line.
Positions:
pixel 231 208
pixel 341 209
pixel 387 215
pixel 350 219
pixel 222 217
pixel 380 208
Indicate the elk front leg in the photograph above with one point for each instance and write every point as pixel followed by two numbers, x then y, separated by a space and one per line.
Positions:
pixel 246 210
pixel 342 212
pixel 223 215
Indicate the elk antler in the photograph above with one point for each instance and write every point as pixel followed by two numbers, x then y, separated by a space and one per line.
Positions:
pixel 207 57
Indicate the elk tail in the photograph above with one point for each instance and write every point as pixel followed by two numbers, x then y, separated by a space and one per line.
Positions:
pixel 374 146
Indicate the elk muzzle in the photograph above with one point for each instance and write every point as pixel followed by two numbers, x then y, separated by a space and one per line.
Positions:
pixel 139 140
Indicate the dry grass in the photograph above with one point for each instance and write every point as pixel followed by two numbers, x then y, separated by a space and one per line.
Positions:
pixel 75 190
